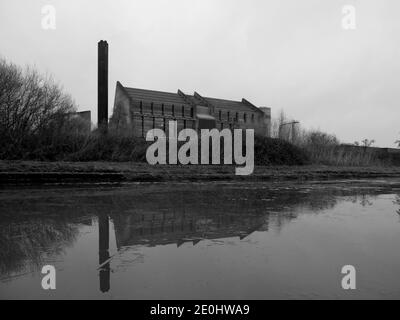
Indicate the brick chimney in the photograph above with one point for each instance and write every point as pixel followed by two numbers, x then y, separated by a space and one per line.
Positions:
pixel 102 86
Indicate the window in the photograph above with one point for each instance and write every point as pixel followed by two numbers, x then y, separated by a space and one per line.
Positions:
pixel 162 109
pixel 237 117
pixel 229 116
pixel 173 110
pixel 245 117
pixel 150 133
pixel 152 108
pixel 252 118
pixel 141 106
pixel 191 112
pixel 220 115
pixel 174 130
pixel 183 111
pixel 184 124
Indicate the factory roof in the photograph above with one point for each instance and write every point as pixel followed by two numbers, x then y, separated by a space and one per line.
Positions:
pixel 180 98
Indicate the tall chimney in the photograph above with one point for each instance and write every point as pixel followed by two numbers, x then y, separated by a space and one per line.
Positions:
pixel 102 86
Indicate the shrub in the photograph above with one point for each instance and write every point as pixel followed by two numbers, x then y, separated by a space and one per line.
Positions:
pixel 269 151
pixel 111 147
pixel 324 148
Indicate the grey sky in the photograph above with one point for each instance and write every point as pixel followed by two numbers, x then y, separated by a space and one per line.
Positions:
pixel 288 54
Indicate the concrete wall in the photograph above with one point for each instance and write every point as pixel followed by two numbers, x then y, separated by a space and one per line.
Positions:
pixel 121 120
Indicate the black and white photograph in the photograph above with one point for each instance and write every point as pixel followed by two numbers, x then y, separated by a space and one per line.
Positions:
pixel 199 156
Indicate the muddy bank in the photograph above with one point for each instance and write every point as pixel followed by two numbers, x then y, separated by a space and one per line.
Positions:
pixel 20 172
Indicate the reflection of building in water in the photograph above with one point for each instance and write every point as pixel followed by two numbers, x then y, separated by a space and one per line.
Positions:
pixel 397 201
pixel 36 227
pixel 168 228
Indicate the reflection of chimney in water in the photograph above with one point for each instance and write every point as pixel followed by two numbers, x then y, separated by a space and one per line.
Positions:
pixel 104 255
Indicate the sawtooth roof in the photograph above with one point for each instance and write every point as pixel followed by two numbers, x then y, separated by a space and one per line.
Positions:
pixel 175 98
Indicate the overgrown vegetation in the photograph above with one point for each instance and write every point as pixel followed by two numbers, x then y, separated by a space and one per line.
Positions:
pixel 269 151
pixel 115 147
pixel 110 147
pixel 37 124
pixel 33 114
pixel 324 148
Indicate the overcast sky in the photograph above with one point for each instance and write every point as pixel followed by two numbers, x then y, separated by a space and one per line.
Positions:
pixel 285 54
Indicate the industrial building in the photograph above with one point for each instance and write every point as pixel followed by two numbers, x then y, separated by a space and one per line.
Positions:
pixel 137 111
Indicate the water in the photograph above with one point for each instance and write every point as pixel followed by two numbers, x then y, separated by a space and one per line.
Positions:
pixel 202 241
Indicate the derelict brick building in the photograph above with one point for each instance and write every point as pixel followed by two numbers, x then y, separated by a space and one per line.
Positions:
pixel 137 111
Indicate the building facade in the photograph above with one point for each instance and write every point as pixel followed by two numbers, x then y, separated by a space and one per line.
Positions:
pixel 82 122
pixel 137 111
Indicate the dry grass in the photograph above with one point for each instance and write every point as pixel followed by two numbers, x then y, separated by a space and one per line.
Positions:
pixel 342 156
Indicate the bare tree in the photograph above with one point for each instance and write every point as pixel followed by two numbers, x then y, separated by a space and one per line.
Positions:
pixel 31 106
pixel 367 143
pixel 318 138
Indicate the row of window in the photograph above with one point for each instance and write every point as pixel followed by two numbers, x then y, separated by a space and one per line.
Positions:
pixel 245 119
pixel 185 126
pixel 165 125
pixel 176 110
pixel 180 110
